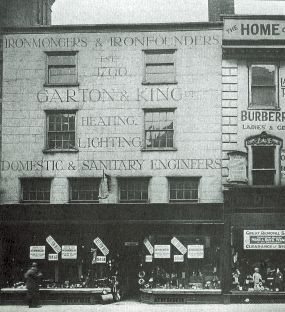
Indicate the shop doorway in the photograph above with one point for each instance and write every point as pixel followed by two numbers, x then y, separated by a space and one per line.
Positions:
pixel 130 268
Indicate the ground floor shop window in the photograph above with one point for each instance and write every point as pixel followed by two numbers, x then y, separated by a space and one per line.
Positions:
pixel 181 262
pixel 258 260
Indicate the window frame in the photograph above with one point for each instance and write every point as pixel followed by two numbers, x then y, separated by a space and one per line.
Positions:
pixel 61 53
pixel 177 179
pixel 85 179
pixel 146 63
pixel 131 181
pixel 159 110
pixel 265 140
pixel 47 149
pixel 251 105
pixel 36 181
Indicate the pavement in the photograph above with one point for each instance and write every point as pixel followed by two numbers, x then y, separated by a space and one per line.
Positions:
pixel 131 306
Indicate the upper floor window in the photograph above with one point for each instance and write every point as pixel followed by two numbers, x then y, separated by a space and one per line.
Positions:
pixel 84 189
pixel 133 190
pixel 61 130
pixel 62 68
pixel 36 189
pixel 263 165
pixel 263 86
pixel 159 67
pixel 159 129
pixel 183 189
pixel 264 159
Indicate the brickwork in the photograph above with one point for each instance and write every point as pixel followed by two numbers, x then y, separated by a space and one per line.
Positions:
pixel 229 112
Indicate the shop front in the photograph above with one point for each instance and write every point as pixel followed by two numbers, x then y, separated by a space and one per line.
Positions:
pixel 256 248
pixel 102 253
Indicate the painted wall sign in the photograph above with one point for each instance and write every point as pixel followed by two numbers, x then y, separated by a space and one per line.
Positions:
pixel 102 247
pixel 264 239
pixel 53 165
pixel 109 142
pixel 69 252
pixel 44 42
pixel 197 38
pixel 53 257
pixel 178 258
pixel 108 121
pixel 175 242
pixel 37 252
pixel 148 246
pixel 53 244
pixel 253 29
pixel 237 167
pixel 162 251
pixel 195 251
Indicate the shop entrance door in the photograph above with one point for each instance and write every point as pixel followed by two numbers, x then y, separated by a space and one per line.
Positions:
pixel 130 268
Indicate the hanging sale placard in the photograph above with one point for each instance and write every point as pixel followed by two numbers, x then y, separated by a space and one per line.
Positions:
pixel 53 244
pixel 148 246
pixel 37 252
pixel 264 239
pixel 195 251
pixel 178 258
pixel 162 251
pixel 102 247
pixel 69 252
pixel 175 242
pixel 100 259
pixel 148 258
pixel 53 257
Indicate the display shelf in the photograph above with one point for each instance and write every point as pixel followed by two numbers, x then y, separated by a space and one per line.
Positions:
pixel 55 295
pixel 160 295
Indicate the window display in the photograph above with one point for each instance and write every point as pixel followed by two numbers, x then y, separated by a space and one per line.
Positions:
pixel 180 262
pixel 258 260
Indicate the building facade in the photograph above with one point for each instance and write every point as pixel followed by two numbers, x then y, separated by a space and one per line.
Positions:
pixel 253 156
pixel 111 156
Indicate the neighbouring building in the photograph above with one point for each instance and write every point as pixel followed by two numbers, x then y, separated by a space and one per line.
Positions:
pixel 111 157
pixel 253 115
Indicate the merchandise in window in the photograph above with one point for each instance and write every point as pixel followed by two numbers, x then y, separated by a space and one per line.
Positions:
pixel 36 190
pixel 133 190
pixel 84 189
pixel 263 86
pixel 180 262
pixel 183 189
pixel 159 129
pixel 61 130
pixel 159 66
pixel 257 261
pixel 61 68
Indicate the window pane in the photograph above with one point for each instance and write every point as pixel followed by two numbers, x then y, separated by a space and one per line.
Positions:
pixel 61 131
pixel 263 177
pixel 263 75
pixel 37 190
pixel 183 189
pixel 263 157
pixel 133 190
pixel 84 189
pixel 159 67
pixel 160 121
pixel 263 96
pixel 62 75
